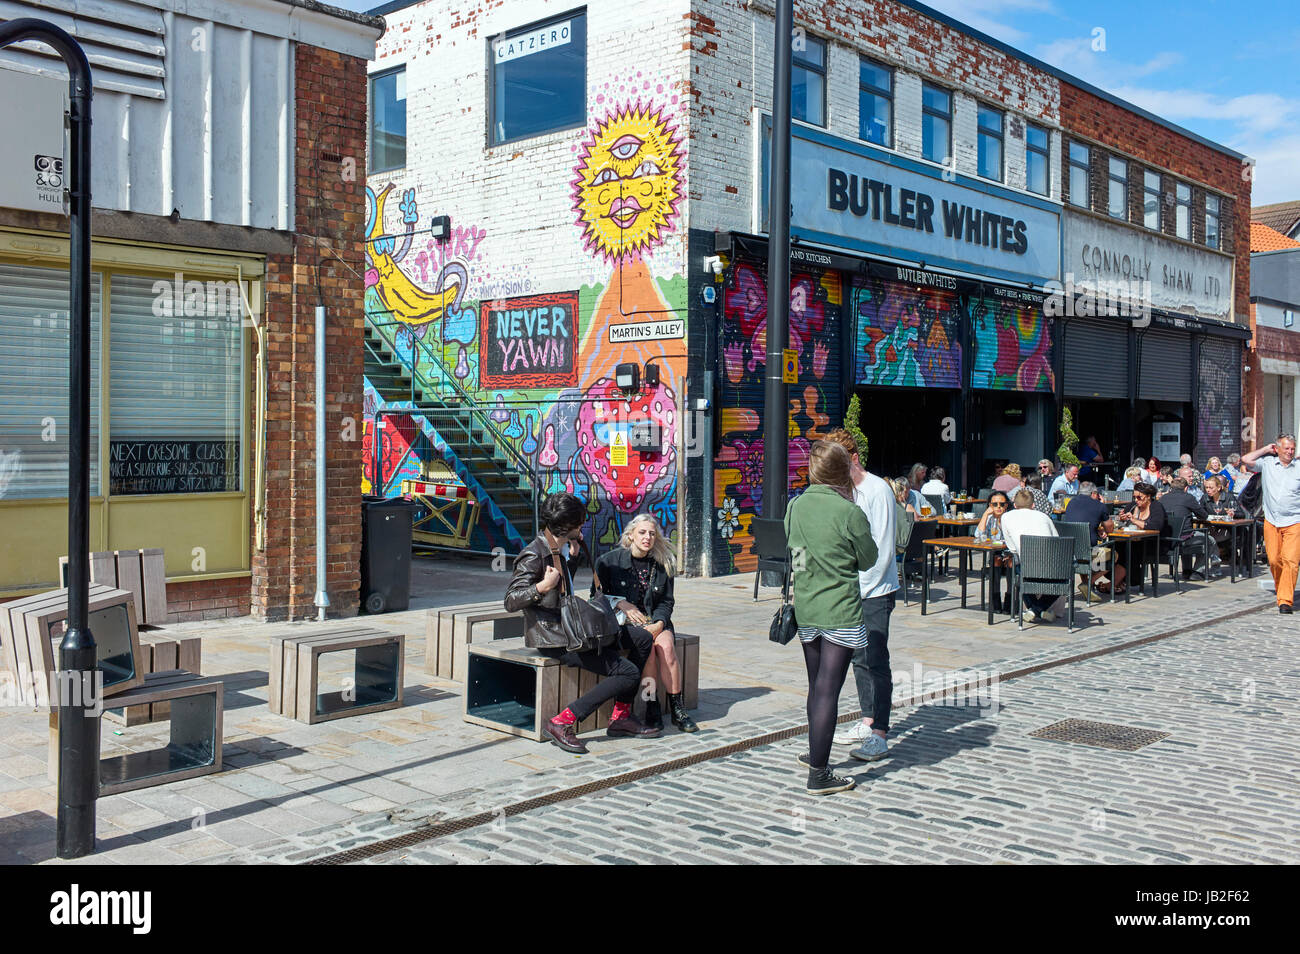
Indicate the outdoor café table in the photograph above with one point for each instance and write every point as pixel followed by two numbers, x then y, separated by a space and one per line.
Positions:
pixel 1127 537
pixel 957 502
pixel 964 547
pixel 949 525
pixel 1245 524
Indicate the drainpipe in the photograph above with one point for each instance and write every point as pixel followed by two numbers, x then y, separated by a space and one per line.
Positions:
pixel 322 600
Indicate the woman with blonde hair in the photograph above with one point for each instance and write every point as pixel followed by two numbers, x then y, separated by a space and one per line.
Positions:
pixel 639 574
pixel 1009 482
pixel 830 543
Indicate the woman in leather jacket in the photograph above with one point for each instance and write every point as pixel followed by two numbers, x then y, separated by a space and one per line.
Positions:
pixel 639 572
pixel 542 573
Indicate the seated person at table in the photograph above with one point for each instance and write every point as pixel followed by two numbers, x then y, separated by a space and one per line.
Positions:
pixel 1131 477
pixel 1151 472
pixel 1090 453
pixel 935 486
pixel 1034 484
pixel 1145 514
pixel 1219 501
pixel 640 570
pixel 1165 476
pixel 1046 471
pixel 1009 481
pixel 1087 508
pixel 1239 476
pixel 1065 485
pixel 915 480
pixel 1213 468
pixel 1193 480
pixel 903 493
pixel 989 530
pixel 1180 508
pixel 1023 521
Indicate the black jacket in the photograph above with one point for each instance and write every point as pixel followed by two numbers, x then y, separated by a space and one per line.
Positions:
pixel 1179 505
pixel 542 629
pixel 1227 504
pixel 614 568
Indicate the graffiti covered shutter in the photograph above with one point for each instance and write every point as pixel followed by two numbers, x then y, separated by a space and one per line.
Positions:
pixel 1218 385
pixel 816 405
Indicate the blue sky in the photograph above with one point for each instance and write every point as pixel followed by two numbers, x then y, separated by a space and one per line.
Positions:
pixel 1228 70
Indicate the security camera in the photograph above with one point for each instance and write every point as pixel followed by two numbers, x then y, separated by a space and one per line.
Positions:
pixel 713 265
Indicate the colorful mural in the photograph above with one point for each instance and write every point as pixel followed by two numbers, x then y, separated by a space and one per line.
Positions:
pixel 905 336
pixel 541 362
pixel 1013 346
pixel 816 301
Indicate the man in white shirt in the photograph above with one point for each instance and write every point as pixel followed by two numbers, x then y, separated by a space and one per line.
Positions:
pixel 1066 483
pixel 879 588
pixel 1023 521
pixel 1280 479
pixel 935 486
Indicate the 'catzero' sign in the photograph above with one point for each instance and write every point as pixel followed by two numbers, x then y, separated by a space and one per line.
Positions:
pixel 534 41
pixel 529 342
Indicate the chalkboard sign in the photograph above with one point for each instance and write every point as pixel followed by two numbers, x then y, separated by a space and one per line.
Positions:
pixel 172 467
pixel 529 342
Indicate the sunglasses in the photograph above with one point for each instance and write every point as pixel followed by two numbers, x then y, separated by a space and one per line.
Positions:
pixel 999 504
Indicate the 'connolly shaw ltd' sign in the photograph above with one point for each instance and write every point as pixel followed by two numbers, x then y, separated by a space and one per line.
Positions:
pixel 841 194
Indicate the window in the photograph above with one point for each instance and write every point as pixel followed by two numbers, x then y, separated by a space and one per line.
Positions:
pixel 34 387
pixel 1079 193
pixel 808 82
pixel 388 120
pixel 174 387
pixel 1183 211
pixel 936 123
pixel 990 143
pixel 1151 199
pixel 1212 221
pixel 1036 158
pixel 876 103
pixel 1117 174
pixel 538 79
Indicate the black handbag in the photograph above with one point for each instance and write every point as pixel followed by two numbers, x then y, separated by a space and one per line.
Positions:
pixel 588 625
pixel 783 626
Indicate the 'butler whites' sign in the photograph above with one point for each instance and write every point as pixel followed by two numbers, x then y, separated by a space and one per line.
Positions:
pixel 853 196
pixel 1182 278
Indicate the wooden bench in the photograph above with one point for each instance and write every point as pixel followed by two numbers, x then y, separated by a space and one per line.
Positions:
pixel 160 652
pixel 448 631
pixel 31 629
pixel 294 690
pixel 514 689
pixel 195 712
pixel 141 573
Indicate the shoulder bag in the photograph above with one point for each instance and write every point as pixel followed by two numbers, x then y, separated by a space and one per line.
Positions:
pixel 588 625
pixel 783 626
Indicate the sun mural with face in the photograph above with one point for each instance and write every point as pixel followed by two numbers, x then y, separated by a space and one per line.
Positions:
pixel 627 184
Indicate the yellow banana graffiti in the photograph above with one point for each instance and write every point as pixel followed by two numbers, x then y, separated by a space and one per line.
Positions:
pixel 402 298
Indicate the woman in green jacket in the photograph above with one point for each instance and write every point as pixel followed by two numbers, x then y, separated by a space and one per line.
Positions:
pixel 830 542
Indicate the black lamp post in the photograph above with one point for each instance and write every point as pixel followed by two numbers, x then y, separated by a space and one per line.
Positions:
pixel 78 731
pixel 776 412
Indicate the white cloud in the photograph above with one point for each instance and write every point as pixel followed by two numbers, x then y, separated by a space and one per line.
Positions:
pixel 986 15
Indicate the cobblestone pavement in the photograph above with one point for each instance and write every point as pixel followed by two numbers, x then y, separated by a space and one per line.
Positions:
pixel 969 783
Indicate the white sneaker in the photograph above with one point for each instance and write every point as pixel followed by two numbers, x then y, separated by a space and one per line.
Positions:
pixel 1047 616
pixel 854 733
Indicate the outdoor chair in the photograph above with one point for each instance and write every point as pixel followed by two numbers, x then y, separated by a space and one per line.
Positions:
pixel 1045 567
pixel 1082 549
pixel 911 558
pixel 1184 541
pixel 936 501
pixel 1125 496
pixel 771 547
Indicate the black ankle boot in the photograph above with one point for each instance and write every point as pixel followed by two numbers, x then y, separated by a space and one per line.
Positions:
pixel 654 717
pixel 681 718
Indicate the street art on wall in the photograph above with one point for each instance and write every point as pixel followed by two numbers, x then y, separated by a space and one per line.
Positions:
pixel 905 336
pixel 1218 406
pixel 540 362
pixel 1013 346
pixel 815 402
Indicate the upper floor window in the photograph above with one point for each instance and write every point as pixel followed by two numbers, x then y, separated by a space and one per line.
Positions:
pixel 388 120
pixel 1079 192
pixel 875 103
pixel 1183 211
pixel 1212 221
pixel 538 79
pixel 1117 175
pixel 936 123
pixel 990 143
pixel 1036 153
pixel 1151 199
pixel 808 82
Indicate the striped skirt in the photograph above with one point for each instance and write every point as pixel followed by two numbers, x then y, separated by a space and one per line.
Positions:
pixel 852 637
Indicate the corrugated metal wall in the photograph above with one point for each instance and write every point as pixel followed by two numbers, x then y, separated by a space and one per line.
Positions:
pixel 189 114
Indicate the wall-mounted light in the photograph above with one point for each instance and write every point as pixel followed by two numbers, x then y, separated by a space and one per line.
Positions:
pixel 440 228
pixel 628 376
pixel 651 375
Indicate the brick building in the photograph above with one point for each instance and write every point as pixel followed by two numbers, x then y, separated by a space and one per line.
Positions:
pixel 1273 361
pixel 228 194
pixel 606 164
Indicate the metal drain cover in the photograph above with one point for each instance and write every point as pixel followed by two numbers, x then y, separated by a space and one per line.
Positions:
pixel 1106 735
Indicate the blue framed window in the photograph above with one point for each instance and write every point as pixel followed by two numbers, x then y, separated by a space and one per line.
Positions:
pixel 990 143
pixel 1036 159
pixel 808 82
pixel 876 103
pixel 538 79
pixel 388 120
pixel 1078 158
pixel 936 123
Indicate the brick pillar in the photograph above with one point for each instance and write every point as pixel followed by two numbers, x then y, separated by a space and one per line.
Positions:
pixel 328 263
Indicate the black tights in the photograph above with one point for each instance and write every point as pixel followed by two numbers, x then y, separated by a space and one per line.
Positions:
pixel 828 664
